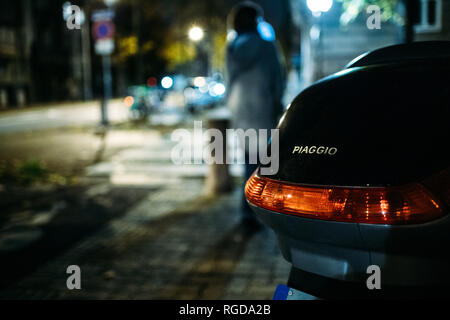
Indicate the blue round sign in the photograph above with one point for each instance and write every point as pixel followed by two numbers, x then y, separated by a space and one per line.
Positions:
pixel 103 29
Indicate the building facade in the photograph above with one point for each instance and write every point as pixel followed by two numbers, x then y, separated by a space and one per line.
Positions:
pixel 327 45
pixel 15 45
pixel 39 56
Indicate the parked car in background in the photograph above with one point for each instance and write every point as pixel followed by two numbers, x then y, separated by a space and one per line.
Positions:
pixel 203 92
pixel 143 100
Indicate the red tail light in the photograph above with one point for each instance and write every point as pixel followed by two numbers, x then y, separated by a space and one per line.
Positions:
pixel 377 205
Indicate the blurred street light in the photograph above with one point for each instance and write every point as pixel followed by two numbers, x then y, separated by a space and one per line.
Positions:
pixel 199 82
pixel 217 90
pixel 203 48
pixel 167 82
pixel 196 33
pixel 110 3
pixel 319 5
pixel 128 101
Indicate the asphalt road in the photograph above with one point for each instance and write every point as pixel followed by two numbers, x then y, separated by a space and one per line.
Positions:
pixel 54 116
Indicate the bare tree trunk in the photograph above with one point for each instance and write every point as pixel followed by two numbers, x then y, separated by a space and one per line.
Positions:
pixel 86 55
pixel 28 44
pixel 137 19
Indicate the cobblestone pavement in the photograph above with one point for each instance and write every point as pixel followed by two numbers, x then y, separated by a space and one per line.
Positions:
pixel 196 251
pixel 174 243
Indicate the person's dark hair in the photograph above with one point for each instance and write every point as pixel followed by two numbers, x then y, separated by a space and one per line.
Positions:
pixel 243 16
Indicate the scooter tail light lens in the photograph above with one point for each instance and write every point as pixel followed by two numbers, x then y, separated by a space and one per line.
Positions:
pixel 408 204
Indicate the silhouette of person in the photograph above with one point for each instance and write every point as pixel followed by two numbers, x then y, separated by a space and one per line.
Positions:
pixel 255 80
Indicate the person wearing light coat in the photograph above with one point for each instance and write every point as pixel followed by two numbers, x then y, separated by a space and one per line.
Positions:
pixel 255 80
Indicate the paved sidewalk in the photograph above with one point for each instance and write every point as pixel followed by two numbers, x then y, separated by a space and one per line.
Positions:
pixel 60 115
pixel 173 243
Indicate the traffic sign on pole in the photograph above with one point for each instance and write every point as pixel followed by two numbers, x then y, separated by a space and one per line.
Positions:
pixel 103 31
pixel 103 34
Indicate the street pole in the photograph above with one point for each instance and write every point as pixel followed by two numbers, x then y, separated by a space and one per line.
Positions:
pixel 320 48
pixel 86 54
pixel 28 40
pixel 322 51
pixel 107 89
pixel 103 32
pixel 77 75
pixel 136 23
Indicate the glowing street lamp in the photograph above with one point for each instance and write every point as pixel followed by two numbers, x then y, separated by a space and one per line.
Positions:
pixel 319 5
pixel 196 33
pixel 167 82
